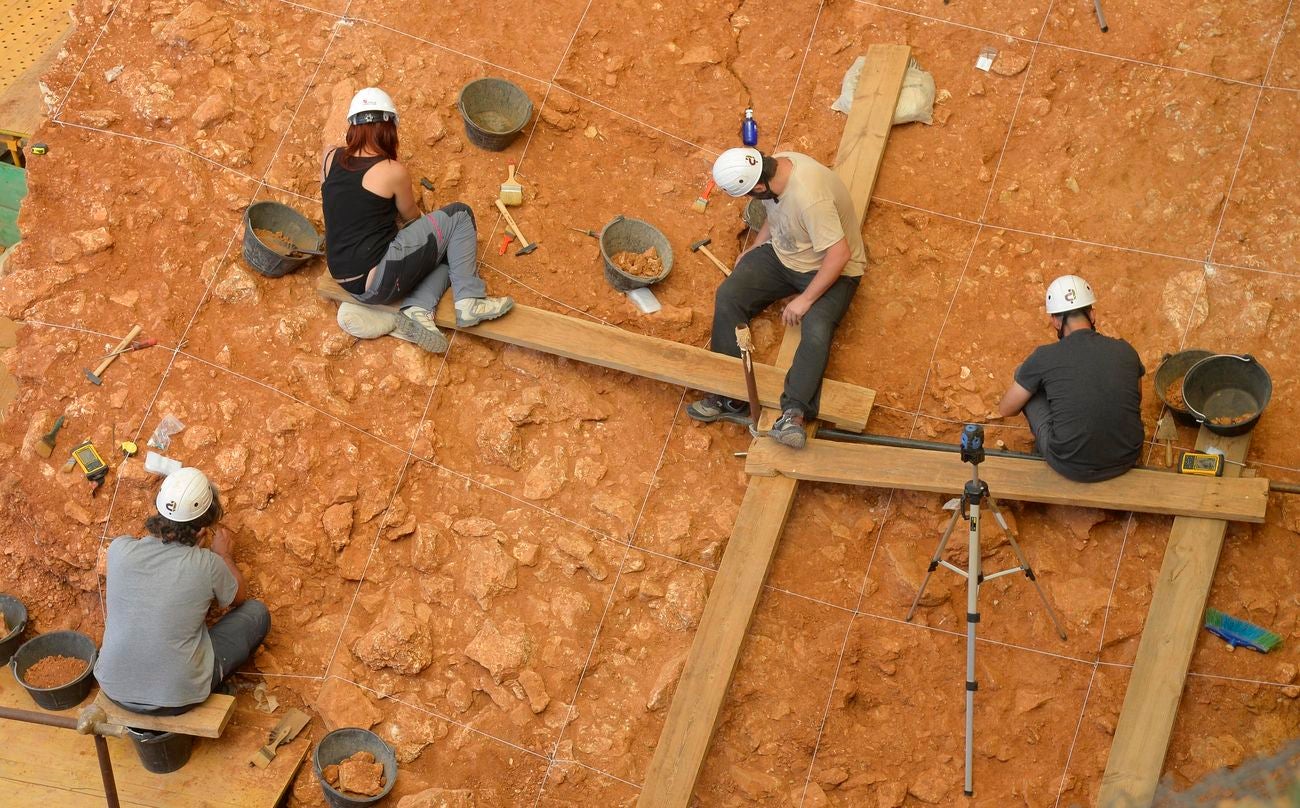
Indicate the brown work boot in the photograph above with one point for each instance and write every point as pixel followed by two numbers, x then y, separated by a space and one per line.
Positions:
pixel 789 430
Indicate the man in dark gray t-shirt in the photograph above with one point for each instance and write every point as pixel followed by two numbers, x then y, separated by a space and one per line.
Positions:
pixel 1081 394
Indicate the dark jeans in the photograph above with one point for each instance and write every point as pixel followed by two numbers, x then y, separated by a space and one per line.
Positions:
pixel 1039 415
pixel 234 639
pixel 757 282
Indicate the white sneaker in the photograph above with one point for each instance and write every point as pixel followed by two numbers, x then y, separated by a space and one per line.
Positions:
pixel 416 325
pixel 474 310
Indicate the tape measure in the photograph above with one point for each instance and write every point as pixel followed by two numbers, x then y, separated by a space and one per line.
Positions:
pixel 39 148
pixel 1203 464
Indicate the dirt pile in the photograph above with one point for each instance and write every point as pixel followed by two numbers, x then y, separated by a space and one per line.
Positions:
pixel 54 671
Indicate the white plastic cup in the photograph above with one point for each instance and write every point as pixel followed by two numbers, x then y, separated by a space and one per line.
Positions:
pixel 155 463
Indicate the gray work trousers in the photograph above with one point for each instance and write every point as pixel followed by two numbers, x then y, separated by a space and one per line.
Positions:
pixel 759 280
pixel 234 639
pixel 434 252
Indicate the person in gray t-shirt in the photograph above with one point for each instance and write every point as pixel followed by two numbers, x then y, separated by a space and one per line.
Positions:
pixel 158 655
pixel 1081 394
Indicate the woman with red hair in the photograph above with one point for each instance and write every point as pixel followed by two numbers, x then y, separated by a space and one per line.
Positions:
pixel 365 193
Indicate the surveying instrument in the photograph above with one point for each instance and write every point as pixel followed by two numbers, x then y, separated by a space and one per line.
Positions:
pixel 973 498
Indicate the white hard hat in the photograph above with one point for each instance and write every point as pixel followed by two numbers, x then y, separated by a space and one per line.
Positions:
pixel 374 101
pixel 736 171
pixel 185 495
pixel 1067 293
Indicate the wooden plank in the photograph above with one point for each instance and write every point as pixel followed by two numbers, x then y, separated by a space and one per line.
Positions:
pixel 1238 500
pixel 208 720
pixel 1173 624
pixel 710 664
pixel 862 146
pixel 845 405
pixel 63 764
pixel 21 106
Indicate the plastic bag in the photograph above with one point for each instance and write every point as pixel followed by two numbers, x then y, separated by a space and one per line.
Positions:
pixel 915 102
pixel 162 436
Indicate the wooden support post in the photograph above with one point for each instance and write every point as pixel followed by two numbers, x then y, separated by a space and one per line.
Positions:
pixel 1137 754
pixel 711 662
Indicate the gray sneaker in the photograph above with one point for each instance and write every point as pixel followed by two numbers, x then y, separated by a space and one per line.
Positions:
pixel 474 310
pixel 789 430
pixel 719 408
pixel 415 324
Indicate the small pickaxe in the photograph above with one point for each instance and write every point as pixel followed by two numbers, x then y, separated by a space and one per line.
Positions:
pixel 529 246
pixel 97 373
pixel 746 344
pixel 702 246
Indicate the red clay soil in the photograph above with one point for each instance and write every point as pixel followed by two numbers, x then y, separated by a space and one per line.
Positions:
pixel 54 671
pixel 497 559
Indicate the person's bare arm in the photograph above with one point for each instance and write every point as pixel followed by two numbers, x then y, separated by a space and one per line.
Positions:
pixel 223 544
pixel 1013 401
pixel 403 193
pixel 833 263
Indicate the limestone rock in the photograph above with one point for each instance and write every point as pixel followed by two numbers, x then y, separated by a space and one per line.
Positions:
pixel 213 110
pixel 337 521
pixel 237 287
pixel 399 640
pixel 665 684
pixel 489 569
pixel 424 549
pixel 757 786
pixel 1009 64
pixel 502 651
pixel 474 526
pixel 684 599
pixel 535 689
pixel 343 704
pixel 361 777
pixel 700 55
pixel 93 241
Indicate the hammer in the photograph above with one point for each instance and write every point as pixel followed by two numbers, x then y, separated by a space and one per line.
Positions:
pixel 702 246
pixel 103 366
pixel 528 245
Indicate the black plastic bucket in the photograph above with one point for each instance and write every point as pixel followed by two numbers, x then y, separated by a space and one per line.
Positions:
pixel 342 744
pixel 57 643
pixel 15 614
pixel 632 235
pixel 495 112
pixel 161 752
pixel 1172 368
pixel 1227 386
pixel 283 219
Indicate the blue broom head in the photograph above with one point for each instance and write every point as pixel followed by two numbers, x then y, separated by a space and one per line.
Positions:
pixel 1240 633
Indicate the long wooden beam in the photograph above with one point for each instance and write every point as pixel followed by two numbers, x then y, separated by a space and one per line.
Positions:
pixel 711 662
pixel 595 343
pixel 1137 754
pixel 1145 491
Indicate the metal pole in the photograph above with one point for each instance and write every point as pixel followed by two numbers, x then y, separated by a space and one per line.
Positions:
pixel 66 722
pixel 911 443
pixel 972 619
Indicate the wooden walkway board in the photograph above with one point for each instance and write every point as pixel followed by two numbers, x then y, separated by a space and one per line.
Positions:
pixel 1238 500
pixel 862 146
pixel 49 766
pixel 1173 624
pixel 845 405
pixel 208 720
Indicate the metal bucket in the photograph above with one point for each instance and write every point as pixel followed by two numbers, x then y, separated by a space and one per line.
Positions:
pixel 1227 386
pixel 279 219
pixel 342 744
pixel 1172 368
pixel 16 619
pixel 57 643
pixel 495 112
pixel 632 235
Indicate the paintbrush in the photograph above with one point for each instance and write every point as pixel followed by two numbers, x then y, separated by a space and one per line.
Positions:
pixel 512 193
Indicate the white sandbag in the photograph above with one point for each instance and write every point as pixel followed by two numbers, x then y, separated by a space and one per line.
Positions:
pixel 915 102
pixel 365 322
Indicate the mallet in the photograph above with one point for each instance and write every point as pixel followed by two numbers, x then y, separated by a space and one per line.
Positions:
pixel 529 246
pixel 103 366
pixel 702 246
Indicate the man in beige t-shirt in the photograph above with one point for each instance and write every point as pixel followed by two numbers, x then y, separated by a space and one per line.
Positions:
pixel 810 247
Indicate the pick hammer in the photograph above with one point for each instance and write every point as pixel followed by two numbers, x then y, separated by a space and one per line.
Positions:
pixel 95 375
pixel 702 246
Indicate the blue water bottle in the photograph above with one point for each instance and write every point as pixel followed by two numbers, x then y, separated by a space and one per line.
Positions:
pixel 749 129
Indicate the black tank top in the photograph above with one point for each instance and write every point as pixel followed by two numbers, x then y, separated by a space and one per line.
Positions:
pixel 359 224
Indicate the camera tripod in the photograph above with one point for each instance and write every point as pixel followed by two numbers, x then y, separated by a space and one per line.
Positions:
pixel 974 495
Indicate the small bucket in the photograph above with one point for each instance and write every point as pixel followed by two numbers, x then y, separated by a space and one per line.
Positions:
pixel 57 643
pixel 1173 368
pixel 1227 387
pixel 282 219
pixel 161 752
pixel 632 235
pixel 342 744
pixel 16 619
pixel 495 112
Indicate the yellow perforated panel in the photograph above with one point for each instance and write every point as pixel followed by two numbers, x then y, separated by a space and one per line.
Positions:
pixel 27 28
